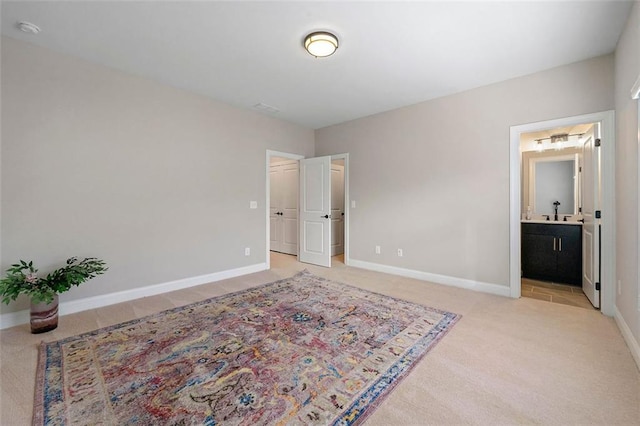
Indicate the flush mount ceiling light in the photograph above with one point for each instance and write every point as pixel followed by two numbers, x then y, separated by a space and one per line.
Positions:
pixel 28 27
pixel 321 44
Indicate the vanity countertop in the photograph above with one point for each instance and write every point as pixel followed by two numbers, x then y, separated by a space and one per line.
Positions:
pixel 551 222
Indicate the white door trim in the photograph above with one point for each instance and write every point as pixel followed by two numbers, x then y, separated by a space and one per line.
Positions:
pixel 271 153
pixel 347 205
pixel 607 120
pixel 635 94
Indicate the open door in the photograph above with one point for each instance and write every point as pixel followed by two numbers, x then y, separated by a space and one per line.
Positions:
pixel 591 214
pixel 337 209
pixel 315 211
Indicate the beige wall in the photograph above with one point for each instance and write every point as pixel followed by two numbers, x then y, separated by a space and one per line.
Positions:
pixel 433 178
pixel 627 65
pixel 154 180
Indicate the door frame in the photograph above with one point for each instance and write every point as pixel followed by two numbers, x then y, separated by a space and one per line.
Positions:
pixel 347 207
pixel 347 214
pixel 607 121
pixel 635 94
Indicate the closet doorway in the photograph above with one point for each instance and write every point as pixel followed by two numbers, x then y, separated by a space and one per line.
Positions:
pixel 284 195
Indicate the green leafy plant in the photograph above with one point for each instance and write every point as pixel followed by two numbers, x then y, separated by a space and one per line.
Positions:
pixel 22 278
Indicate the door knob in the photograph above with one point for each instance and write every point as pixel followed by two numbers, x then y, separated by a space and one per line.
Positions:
pixel 326 216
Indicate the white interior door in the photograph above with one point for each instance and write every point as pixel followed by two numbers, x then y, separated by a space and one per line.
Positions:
pixel 315 211
pixel 275 207
pixel 289 216
pixel 590 192
pixel 283 207
pixel 337 209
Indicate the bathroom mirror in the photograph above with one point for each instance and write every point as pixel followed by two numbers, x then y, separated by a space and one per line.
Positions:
pixel 552 178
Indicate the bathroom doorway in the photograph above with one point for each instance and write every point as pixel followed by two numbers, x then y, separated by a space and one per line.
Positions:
pixel 556 166
pixel 554 254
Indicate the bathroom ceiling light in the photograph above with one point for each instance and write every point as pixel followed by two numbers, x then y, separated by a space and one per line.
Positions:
pixel 559 139
pixel 28 27
pixel 562 137
pixel 321 44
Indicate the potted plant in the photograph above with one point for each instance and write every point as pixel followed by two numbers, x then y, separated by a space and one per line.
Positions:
pixel 22 278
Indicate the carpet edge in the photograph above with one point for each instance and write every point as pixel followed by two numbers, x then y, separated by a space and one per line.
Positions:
pixel 38 409
pixel 392 386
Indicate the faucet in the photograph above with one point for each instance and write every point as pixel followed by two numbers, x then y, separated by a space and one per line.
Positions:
pixel 556 204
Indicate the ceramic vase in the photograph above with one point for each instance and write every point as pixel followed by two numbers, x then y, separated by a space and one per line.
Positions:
pixel 44 316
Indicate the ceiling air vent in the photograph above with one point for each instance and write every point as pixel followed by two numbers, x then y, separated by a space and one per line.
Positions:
pixel 266 108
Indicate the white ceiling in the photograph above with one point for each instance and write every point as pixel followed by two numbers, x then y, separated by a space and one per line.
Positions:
pixel 391 54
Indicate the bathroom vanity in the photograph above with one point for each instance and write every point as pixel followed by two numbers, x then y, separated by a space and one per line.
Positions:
pixel 552 251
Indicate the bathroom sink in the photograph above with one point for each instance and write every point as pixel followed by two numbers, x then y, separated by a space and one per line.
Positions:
pixel 552 222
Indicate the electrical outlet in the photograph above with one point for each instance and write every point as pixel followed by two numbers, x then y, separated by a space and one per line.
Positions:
pixel 377 249
pixel 399 252
pixel 247 251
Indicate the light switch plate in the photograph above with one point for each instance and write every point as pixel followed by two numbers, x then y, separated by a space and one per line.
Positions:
pixel 353 204
pixel 253 204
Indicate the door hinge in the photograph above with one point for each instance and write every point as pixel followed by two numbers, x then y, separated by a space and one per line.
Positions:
pixel 598 142
pixel 598 214
pixel 580 169
pixel 598 286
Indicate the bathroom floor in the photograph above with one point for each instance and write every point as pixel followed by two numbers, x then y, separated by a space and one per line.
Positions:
pixel 555 293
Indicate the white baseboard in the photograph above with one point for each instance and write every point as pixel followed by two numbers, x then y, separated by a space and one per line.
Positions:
pixel 11 319
pixel 14 318
pixel 629 338
pixel 497 289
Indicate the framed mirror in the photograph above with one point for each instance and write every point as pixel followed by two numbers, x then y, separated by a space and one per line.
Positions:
pixel 552 177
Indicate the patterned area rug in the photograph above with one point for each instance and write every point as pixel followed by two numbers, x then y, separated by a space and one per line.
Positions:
pixel 302 350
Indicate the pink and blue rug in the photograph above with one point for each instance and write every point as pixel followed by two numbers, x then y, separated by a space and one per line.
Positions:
pixel 302 350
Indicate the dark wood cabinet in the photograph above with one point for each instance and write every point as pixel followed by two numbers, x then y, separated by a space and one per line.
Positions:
pixel 552 252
